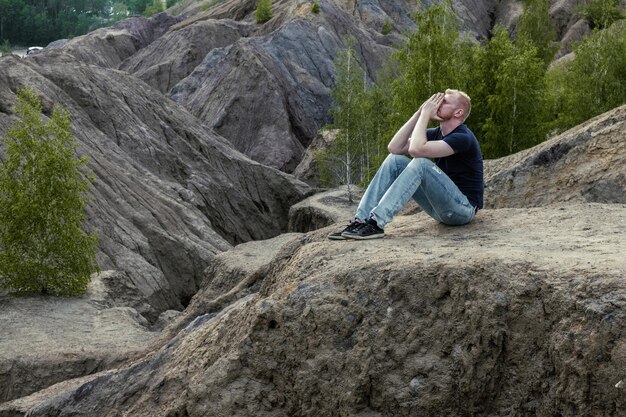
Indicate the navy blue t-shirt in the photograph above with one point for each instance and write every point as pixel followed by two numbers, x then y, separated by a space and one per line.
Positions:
pixel 465 166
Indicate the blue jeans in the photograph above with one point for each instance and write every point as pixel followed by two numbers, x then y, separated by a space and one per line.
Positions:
pixel 399 178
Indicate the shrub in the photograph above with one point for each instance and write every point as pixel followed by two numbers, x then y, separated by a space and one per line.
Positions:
pixel 315 8
pixel 263 11
pixel 154 8
pixel 5 48
pixel 387 27
pixel 601 13
pixel 42 202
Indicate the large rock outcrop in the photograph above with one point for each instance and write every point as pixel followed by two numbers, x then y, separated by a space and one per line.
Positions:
pixel 287 73
pixel 521 312
pixel 585 163
pixel 172 57
pixel 108 47
pixel 169 193
pixel 284 67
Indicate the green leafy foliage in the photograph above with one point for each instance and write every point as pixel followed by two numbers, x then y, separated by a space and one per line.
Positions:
pixel 594 81
pixel 536 27
pixel 119 11
pixel 42 201
pixel 515 117
pixel 315 7
pixel 342 161
pixel 5 48
pixel 263 11
pixel 516 100
pixel 157 6
pixel 38 22
pixel 360 117
pixel 601 13
pixel 429 62
pixel 387 27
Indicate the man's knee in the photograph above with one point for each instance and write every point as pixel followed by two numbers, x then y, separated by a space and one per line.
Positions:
pixel 394 158
pixel 420 163
pixel 395 162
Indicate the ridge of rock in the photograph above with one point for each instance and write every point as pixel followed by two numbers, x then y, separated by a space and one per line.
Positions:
pixel 170 58
pixel 585 163
pixel 169 193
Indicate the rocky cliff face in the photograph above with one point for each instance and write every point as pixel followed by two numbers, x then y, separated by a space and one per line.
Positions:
pixel 521 312
pixel 169 192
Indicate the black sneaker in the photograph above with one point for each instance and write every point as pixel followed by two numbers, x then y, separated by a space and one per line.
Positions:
pixel 367 230
pixel 353 225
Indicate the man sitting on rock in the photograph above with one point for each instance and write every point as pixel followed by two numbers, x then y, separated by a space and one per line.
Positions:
pixel 450 189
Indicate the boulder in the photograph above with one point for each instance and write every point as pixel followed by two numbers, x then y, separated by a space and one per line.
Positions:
pixel 519 312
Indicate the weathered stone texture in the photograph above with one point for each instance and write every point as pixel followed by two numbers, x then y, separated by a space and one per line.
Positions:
pixel 172 57
pixel 519 312
pixel 586 163
pixel 46 340
pixel 169 193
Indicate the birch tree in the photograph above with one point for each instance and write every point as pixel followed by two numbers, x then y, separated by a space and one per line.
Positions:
pixel 43 192
pixel 515 106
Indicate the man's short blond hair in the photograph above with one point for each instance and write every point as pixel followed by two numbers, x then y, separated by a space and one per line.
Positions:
pixel 463 100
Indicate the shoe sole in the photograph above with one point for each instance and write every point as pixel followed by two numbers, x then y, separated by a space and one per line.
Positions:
pixel 357 237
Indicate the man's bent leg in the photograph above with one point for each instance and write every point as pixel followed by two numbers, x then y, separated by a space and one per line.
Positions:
pixel 442 200
pixel 400 191
pixel 387 173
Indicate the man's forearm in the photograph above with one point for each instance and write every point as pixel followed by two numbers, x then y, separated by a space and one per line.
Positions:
pixel 418 135
pixel 400 140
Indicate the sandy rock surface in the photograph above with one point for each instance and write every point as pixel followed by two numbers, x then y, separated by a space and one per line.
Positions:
pixel 325 208
pixel 522 311
pixel 50 339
